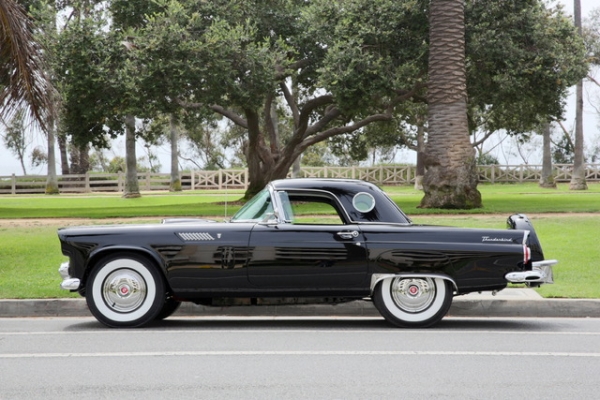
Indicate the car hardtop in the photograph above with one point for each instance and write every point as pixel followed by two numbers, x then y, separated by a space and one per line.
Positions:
pixel 344 190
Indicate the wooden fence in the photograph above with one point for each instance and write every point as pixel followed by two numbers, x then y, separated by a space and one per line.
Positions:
pixel 238 178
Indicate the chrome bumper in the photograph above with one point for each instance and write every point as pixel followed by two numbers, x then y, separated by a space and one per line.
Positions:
pixel 541 272
pixel 68 283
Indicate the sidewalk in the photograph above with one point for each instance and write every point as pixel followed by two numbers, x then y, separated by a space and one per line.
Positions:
pixel 507 303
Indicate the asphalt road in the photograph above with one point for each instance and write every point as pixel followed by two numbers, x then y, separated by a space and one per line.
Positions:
pixel 300 358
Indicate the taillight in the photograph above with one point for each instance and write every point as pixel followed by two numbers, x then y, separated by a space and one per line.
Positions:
pixel 526 254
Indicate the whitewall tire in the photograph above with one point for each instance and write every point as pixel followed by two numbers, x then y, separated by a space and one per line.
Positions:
pixel 413 302
pixel 125 290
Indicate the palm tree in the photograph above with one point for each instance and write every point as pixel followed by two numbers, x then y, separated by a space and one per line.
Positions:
pixel 23 79
pixel 450 179
pixel 578 178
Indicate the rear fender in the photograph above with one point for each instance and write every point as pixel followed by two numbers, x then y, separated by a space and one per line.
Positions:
pixel 521 222
pixel 376 278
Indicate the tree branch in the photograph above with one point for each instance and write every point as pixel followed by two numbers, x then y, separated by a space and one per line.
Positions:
pixel 591 78
pixel 271 125
pixel 329 116
pixel 567 135
pixel 309 141
pixel 289 98
pixel 308 108
pixel 281 72
pixel 483 139
pixel 229 114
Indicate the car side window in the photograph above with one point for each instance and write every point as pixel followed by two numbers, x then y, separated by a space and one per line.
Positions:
pixel 314 210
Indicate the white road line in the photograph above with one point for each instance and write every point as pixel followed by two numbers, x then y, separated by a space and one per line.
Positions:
pixel 298 353
pixel 387 331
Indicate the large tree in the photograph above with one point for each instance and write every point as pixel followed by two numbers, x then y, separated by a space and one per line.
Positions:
pixel 240 58
pixel 337 66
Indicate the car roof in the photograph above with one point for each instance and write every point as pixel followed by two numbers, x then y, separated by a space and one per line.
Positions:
pixel 326 184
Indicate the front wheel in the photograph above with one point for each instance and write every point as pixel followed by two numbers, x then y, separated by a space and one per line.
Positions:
pixel 125 290
pixel 171 305
pixel 413 302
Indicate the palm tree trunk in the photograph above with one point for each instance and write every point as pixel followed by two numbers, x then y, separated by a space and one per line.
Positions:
pixel 578 177
pixel 547 178
pixel 450 179
pixel 578 181
pixel 132 188
pixel 52 180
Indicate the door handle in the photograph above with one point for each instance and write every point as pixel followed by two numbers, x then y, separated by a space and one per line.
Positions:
pixel 348 234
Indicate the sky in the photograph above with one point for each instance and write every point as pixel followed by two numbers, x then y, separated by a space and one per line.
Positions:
pixel 9 164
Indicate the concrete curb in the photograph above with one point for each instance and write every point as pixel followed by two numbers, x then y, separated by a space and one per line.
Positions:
pixel 464 306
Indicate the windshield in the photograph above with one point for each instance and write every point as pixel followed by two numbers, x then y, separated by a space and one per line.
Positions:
pixel 255 209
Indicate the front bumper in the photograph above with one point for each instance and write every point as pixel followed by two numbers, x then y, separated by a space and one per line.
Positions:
pixel 68 283
pixel 541 272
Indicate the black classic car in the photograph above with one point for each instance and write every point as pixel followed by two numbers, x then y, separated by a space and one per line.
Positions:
pixel 297 241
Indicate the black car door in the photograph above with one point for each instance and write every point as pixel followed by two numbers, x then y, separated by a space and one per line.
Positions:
pixel 307 257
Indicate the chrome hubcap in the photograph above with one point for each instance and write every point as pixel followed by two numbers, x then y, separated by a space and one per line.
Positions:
pixel 124 290
pixel 413 295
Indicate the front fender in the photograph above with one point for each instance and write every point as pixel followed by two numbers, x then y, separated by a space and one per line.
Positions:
pixel 104 251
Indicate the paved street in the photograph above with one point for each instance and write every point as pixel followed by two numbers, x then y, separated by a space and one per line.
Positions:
pixel 295 358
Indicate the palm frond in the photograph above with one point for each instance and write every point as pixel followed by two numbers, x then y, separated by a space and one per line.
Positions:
pixel 24 81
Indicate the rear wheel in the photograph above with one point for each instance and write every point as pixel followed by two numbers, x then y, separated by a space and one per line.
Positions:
pixel 413 302
pixel 125 290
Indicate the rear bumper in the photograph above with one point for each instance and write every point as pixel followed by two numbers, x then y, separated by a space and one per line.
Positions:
pixel 68 283
pixel 541 272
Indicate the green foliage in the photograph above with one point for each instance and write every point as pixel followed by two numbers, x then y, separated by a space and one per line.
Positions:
pixel 563 151
pixel 376 50
pixel 316 156
pixel 116 164
pixel 521 60
pixel 486 159
pixel 358 58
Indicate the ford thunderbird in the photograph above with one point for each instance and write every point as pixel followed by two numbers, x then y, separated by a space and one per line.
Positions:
pixel 298 241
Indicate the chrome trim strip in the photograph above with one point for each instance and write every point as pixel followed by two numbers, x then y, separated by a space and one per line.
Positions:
pixel 544 263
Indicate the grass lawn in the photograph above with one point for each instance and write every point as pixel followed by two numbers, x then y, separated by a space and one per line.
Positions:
pixel 501 198
pixel 30 253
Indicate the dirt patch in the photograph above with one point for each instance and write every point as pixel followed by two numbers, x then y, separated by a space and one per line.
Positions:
pixel 61 222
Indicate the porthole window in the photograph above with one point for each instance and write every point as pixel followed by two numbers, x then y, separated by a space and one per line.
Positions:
pixel 363 202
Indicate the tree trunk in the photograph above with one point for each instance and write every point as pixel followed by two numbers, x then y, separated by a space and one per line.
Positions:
pixel 132 188
pixel 420 170
pixel 296 167
pixel 175 185
pixel 451 173
pixel 52 181
pixel 64 159
pixel 578 178
pixel 547 178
